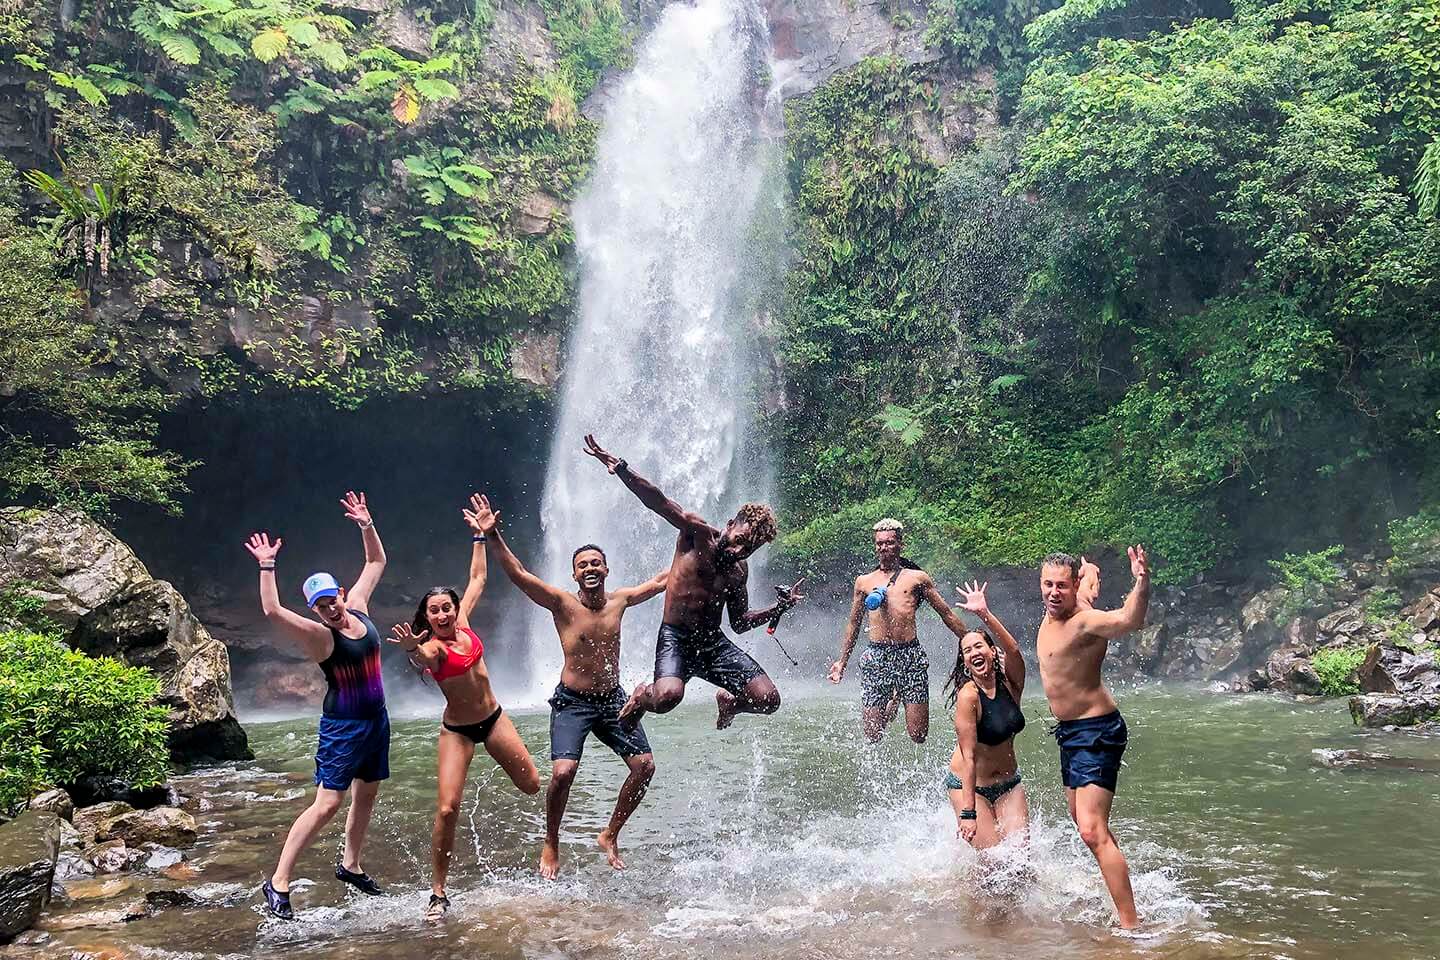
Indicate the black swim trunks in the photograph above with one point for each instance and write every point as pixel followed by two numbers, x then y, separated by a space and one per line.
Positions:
pixel 1090 750
pixel 575 714
pixel 898 670
pixel 709 655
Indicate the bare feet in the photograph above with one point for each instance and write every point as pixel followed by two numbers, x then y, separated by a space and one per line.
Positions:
pixel 550 861
pixel 631 713
pixel 610 843
pixel 725 700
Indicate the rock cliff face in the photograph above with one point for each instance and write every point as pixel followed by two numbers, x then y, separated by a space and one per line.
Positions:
pixel 106 603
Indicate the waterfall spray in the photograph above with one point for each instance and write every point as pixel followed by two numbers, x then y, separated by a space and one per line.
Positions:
pixel 659 364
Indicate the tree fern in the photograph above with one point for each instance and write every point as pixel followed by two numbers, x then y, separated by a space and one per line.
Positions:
pixel 1427 181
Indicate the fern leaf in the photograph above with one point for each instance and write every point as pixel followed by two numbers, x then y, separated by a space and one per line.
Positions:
pixel 331 54
pixel 223 45
pixel 371 79
pixel 269 44
pixel 1426 186
pixel 303 32
pixel 180 48
pixel 434 88
pixel 90 92
pixel 405 105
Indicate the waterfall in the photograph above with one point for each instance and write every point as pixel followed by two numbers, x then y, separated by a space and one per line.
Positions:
pixel 670 249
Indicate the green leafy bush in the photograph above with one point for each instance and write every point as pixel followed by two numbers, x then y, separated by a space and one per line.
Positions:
pixel 1382 605
pixel 1304 577
pixel 1412 538
pixel 64 715
pixel 1336 669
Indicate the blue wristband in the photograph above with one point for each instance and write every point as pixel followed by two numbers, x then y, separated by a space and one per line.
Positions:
pixel 479 539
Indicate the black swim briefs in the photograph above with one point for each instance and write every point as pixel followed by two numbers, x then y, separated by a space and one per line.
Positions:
pixel 707 654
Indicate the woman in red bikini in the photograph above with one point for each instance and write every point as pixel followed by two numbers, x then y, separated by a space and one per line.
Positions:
pixel 441 641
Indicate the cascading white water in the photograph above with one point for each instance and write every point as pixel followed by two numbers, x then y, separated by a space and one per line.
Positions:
pixel 659 365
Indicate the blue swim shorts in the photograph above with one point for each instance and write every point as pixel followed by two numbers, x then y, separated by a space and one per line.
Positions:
pixel 1090 750
pixel 352 749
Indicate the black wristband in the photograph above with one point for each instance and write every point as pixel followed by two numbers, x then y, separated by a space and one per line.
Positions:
pixel 267 566
pixel 621 465
pixel 967 814
pixel 478 539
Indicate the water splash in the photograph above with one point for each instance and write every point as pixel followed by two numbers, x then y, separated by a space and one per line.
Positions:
pixel 660 363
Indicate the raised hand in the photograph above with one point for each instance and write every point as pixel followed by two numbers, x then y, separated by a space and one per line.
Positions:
pixel 600 453
pixel 972 597
pixel 837 672
pixel 401 634
pixel 356 508
pixel 262 549
pixel 1087 568
pixel 788 596
pixel 1139 563
pixel 480 517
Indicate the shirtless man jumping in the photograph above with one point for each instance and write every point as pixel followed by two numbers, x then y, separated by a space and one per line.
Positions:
pixel 588 698
pixel 894 667
pixel 707 576
pixel 1071 647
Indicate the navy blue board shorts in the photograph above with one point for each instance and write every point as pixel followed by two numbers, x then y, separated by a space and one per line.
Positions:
pixel 352 749
pixel 1090 750
pixel 575 714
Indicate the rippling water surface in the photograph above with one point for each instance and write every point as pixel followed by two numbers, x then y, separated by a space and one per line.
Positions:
pixel 1248 836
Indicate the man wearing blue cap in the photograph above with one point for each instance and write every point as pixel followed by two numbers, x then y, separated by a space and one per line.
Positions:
pixel 893 668
pixel 353 754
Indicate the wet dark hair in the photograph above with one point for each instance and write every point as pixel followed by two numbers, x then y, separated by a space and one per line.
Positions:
pixel 1062 560
pixel 422 622
pixel 582 549
pixel 960 674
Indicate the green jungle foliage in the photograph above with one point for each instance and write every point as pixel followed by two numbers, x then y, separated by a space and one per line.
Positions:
pixel 1187 298
pixel 1304 577
pixel 361 218
pixel 64 715
pixel 1336 666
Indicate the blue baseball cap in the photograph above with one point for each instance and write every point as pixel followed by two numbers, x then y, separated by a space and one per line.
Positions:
pixel 320 585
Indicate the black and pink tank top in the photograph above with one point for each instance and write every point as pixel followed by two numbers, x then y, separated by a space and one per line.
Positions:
pixel 352 674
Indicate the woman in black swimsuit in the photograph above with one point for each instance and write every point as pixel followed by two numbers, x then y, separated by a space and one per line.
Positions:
pixel 984 687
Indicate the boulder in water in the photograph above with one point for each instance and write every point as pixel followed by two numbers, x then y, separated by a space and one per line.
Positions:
pixel 29 845
pixel 87 819
pixel 1391 669
pixel 1290 671
pixel 106 603
pixel 57 802
pixel 1390 710
pixel 166 826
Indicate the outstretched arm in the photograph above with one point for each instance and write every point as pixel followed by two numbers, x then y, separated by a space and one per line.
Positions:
pixel 737 603
pixel 1130 617
pixel 648 494
pixel 358 510
pixel 423 653
pixel 852 630
pixel 641 592
pixel 487 522
pixel 972 598
pixel 313 638
pixel 932 597
pixel 479 568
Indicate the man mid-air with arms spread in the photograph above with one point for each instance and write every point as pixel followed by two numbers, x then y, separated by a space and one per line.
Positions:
pixel 588 698
pixel 708 576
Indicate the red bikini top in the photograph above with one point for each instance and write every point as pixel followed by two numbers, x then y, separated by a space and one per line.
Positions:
pixel 457 664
